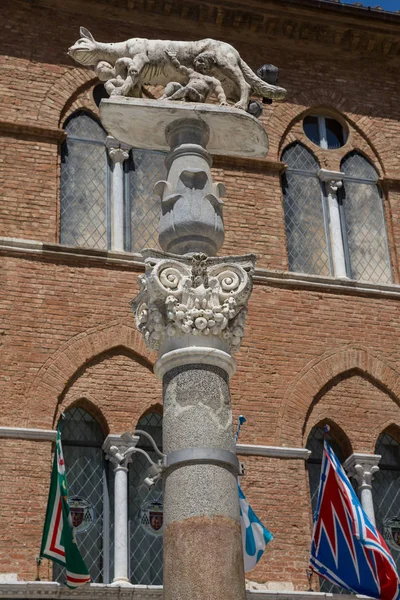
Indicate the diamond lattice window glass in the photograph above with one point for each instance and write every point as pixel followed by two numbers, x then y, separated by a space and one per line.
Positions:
pixel 386 493
pixel 87 479
pixel 84 191
pixel 145 168
pixel 304 207
pixel 315 443
pixel 145 510
pixel 86 198
pixel 363 222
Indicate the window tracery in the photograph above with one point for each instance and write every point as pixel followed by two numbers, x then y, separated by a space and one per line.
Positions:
pixel 334 220
pixel 107 203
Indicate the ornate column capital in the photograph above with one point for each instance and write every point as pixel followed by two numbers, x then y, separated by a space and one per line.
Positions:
pixel 362 468
pixel 117 448
pixel 332 179
pixel 118 151
pixel 193 301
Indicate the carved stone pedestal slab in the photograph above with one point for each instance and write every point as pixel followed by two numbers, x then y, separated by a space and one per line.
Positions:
pixel 142 124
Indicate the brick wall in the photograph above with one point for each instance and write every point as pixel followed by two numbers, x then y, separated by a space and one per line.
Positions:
pixel 66 331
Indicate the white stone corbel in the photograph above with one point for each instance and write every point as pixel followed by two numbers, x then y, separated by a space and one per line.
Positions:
pixel 115 447
pixel 362 468
pixel 118 153
pixel 333 182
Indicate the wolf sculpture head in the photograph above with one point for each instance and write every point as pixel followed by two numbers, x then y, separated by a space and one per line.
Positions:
pixel 84 50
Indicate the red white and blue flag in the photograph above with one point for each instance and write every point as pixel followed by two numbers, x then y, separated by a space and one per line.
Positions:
pixel 346 548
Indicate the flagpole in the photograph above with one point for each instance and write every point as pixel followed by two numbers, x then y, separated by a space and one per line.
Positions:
pixel 38 563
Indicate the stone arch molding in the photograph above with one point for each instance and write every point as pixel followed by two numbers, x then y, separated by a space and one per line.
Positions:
pixel 87 402
pixel 62 94
pixel 388 426
pixel 52 378
pixel 300 394
pixel 286 114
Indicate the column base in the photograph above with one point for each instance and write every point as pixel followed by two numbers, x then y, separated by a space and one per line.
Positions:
pixel 195 355
pixel 122 582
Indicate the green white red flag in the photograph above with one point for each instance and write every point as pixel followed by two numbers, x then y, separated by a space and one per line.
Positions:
pixel 58 541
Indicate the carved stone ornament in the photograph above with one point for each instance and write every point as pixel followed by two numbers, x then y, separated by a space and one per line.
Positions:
pixel 195 295
pixel 362 468
pixel 333 185
pixel 214 66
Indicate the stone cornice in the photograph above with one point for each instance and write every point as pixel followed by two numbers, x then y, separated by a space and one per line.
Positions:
pixel 272 451
pixel 249 164
pixel 96 591
pixel 49 435
pixel 324 22
pixel 25 433
pixel 281 279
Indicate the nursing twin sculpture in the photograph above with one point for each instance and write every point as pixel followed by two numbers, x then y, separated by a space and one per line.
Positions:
pixel 190 71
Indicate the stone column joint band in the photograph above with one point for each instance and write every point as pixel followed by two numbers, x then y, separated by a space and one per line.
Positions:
pixel 223 458
pixel 194 356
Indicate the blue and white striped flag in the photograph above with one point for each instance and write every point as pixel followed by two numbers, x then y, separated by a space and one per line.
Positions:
pixel 254 535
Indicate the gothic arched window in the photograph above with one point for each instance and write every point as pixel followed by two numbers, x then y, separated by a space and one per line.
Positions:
pixel 334 221
pixel 305 214
pixel 85 189
pixel 363 222
pixel 386 491
pixel 87 199
pixel 145 510
pixel 86 470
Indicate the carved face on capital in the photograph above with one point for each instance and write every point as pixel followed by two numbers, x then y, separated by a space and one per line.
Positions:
pixel 84 50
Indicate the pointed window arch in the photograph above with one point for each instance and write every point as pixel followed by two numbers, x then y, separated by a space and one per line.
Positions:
pixel 386 489
pixel 87 477
pixel 145 510
pixel 335 223
pixel 307 233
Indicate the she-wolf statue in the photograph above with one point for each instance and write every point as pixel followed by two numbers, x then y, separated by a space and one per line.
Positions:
pixel 128 66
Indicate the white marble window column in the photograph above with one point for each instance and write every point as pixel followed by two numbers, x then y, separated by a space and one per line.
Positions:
pixel 114 446
pixel 332 181
pixel 362 467
pixel 118 153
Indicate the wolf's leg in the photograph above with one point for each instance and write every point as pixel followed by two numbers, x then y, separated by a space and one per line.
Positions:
pixel 234 72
